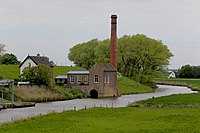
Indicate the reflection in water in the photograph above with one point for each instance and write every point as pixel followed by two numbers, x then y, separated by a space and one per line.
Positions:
pixel 77 104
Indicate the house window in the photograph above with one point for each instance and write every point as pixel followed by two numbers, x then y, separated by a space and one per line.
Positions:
pixel 79 79
pixel 29 64
pixel 96 78
pixel 72 79
pixel 85 79
pixel 106 78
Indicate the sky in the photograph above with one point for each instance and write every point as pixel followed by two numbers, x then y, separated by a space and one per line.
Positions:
pixel 52 27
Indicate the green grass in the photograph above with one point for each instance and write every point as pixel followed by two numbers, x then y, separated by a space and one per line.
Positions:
pixel 194 84
pixel 12 71
pixel 129 86
pixel 175 101
pixel 9 71
pixel 104 120
pixel 62 70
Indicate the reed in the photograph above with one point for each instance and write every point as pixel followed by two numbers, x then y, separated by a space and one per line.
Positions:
pixel 37 94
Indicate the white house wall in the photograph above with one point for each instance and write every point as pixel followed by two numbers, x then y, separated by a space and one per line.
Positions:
pixel 26 64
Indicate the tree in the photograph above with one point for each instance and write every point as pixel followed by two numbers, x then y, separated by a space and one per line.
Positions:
pixel 9 59
pixel 141 57
pixel 188 71
pixel 138 56
pixel 38 75
pixel 102 52
pixel 83 55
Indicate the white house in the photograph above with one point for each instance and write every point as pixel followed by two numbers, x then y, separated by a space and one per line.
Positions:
pixel 30 61
pixel 172 75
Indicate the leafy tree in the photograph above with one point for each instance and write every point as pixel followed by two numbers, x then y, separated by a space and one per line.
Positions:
pixel 188 71
pixel 185 72
pixel 38 75
pixel 9 59
pixel 102 52
pixel 83 55
pixel 139 57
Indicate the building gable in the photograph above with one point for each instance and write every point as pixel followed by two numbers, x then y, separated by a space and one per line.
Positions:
pixel 103 79
pixel 30 61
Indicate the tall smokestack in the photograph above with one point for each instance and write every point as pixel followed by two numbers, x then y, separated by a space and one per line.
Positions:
pixel 113 41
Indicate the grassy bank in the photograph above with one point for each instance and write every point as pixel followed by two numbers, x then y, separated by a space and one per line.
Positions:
pixel 173 101
pixel 12 71
pixel 129 86
pixel 194 84
pixel 123 120
pixel 62 70
pixel 9 71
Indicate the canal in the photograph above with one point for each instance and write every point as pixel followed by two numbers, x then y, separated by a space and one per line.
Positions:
pixel 10 115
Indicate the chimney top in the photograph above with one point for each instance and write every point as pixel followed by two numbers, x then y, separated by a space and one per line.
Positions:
pixel 113 19
pixel 113 16
pixel 38 55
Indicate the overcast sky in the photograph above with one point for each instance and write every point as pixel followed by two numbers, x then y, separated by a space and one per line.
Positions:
pixel 51 27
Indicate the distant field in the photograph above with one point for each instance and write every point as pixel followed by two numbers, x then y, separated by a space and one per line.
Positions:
pixel 112 120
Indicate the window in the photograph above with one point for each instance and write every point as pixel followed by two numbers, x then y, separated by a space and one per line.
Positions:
pixel 85 79
pixel 96 78
pixel 29 64
pixel 106 78
pixel 79 79
pixel 72 78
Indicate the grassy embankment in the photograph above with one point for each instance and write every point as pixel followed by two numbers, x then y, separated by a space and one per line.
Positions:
pixel 9 71
pixel 113 120
pixel 172 101
pixel 194 84
pixel 128 86
pixel 176 113
pixel 12 71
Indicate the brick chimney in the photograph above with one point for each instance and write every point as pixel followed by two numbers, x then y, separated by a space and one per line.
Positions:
pixel 113 41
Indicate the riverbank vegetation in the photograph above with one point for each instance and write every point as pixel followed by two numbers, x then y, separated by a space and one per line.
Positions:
pixel 41 94
pixel 112 120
